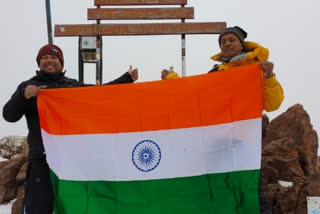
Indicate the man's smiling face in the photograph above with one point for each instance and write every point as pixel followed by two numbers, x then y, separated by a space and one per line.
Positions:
pixel 50 63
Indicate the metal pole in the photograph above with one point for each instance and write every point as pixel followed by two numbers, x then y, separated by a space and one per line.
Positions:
pixel 183 54
pixel 80 60
pixel 183 51
pixel 99 62
pixel 49 27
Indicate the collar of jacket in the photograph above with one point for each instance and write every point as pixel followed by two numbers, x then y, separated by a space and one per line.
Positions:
pixel 39 74
pixel 254 53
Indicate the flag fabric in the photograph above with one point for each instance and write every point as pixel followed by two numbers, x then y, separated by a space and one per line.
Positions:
pixel 187 145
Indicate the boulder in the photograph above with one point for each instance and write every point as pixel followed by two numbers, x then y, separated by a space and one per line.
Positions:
pixel 13 147
pixel 7 192
pixel 10 168
pixel 21 176
pixel 17 206
pixel 265 124
pixel 281 161
pixel 295 124
pixel 289 155
pixel 20 191
pixel 284 199
pixel 8 172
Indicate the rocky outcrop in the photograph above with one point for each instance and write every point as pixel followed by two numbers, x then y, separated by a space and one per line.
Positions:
pixel 13 171
pixel 265 124
pixel 8 172
pixel 289 154
pixel 17 206
pixel 13 146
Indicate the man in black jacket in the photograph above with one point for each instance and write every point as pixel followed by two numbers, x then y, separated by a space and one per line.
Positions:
pixel 38 194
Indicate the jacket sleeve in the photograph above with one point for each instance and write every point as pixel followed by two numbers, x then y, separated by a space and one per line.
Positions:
pixel 125 78
pixel 172 75
pixel 272 94
pixel 14 109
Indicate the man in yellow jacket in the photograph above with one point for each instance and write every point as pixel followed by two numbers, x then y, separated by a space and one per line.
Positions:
pixel 236 52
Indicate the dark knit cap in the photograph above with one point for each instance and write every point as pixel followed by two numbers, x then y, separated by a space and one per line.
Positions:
pixel 50 49
pixel 237 31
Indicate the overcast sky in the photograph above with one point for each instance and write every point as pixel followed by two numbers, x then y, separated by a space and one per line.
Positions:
pixel 289 28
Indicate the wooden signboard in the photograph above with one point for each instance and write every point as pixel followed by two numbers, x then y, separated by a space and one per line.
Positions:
pixel 140 13
pixel 139 2
pixel 140 29
pixel 177 10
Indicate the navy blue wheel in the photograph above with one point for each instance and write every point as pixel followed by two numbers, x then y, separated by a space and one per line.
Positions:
pixel 146 155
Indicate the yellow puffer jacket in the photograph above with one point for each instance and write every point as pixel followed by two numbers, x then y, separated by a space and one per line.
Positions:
pixel 272 90
pixel 253 53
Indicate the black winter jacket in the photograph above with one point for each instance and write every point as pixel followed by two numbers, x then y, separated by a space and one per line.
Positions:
pixel 18 106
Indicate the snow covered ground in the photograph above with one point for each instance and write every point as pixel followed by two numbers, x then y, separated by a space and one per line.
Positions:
pixel 6 209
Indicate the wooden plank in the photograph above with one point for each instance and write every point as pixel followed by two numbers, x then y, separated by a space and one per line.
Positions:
pixel 141 29
pixel 140 13
pixel 161 29
pixel 76 30
pixel 139 2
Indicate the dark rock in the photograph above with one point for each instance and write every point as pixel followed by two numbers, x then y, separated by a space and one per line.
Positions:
pixel 284 199
pixel 20 191
pixel 13 147
pixel 295 124
pixel 7 192
pixel 21 176
pixel 17 206
pixel 8 173
pixel 311 187
pixel 289 153
pixel 281 162
pixel 265 124
pixel 10 168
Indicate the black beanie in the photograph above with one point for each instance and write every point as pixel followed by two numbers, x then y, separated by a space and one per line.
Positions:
pixel 237 31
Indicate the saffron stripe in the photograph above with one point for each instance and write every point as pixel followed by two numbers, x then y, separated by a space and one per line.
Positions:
pixel 196 101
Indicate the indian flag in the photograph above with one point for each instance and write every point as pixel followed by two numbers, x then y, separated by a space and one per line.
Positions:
pixel 188 145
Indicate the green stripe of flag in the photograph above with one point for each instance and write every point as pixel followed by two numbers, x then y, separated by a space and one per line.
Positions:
pixel 223 193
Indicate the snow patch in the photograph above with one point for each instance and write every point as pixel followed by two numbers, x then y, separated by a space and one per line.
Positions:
pixel 6 208
pixel 2 159
pixel 285 183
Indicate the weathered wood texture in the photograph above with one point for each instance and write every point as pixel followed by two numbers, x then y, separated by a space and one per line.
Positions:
pixel 140 2
pixel 140 13
pixel 76 30
pixel 140 29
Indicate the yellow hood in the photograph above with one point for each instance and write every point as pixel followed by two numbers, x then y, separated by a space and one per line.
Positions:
pixel 254 53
